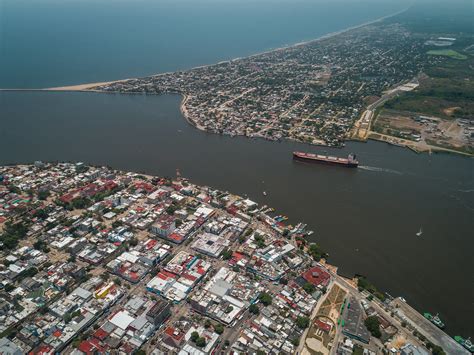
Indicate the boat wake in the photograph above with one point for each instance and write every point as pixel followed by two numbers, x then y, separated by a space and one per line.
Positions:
pixel 380 170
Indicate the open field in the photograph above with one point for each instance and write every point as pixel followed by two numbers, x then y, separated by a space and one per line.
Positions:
pixel 448 53
pixel 449 133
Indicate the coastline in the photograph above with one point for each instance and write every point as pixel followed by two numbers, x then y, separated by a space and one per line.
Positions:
pixel 90 86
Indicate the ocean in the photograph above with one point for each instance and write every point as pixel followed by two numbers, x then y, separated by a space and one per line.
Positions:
pixel 46 43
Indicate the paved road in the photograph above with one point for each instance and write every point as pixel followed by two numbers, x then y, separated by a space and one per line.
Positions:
pixel 429 330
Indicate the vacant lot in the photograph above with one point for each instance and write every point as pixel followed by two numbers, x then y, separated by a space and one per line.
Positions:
pixel 447 133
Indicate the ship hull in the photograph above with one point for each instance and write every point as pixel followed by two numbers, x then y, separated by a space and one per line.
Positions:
pixel 324 161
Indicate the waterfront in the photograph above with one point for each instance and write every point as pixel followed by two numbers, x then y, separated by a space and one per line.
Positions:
pixel 365 218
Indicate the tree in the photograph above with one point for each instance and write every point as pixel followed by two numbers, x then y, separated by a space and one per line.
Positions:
pixel 437 350
pixel 41 214
pixel 39 244
pixel 80 203
pixel 259 240
pixel 295 341
pixel 171 209
pixel 302 322
pixel 372 324
pixel 12 233
pixel 194 336
pixel 219 328
pixel 265 298
pixel 316 252
pixel 226 254
pixel 9 287
pixel 253 308
pixel 201 342
pixel 308 287
pixel 43 194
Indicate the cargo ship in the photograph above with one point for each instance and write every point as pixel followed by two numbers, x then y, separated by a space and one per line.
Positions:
pixel 435 320
pixel 349 162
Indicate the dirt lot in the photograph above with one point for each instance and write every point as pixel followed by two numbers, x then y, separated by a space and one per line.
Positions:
pixel 436 131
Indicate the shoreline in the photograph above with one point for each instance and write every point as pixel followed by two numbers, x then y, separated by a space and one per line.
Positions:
pixel 90 86
pixel 184 112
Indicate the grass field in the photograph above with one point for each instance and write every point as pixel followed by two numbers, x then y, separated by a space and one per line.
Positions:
pixel 447 53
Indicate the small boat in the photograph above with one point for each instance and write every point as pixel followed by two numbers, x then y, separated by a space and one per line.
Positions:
pixel 435 320
pixel 420 232
pixel 467 343
pixel 264 193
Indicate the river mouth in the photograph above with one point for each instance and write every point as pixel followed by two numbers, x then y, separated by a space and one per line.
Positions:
pixel 366 218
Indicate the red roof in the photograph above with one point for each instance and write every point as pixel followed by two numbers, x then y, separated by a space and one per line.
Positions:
pixel 175 236
pixel 92 346
pixel 323 325
pixel 151 243
pixel 316 276
pixel 189 277
pixel 100 334
pixel 170 331
pixel 165 275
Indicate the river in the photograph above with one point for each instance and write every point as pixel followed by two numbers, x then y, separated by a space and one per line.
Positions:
pixel 366 218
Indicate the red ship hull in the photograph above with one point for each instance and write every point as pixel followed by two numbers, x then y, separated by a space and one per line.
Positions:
pixel 323 159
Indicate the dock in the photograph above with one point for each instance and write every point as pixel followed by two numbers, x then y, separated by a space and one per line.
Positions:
pixel 428 329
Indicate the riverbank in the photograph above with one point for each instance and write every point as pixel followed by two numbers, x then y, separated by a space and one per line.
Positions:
pixel 417 147
pixel 185 113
